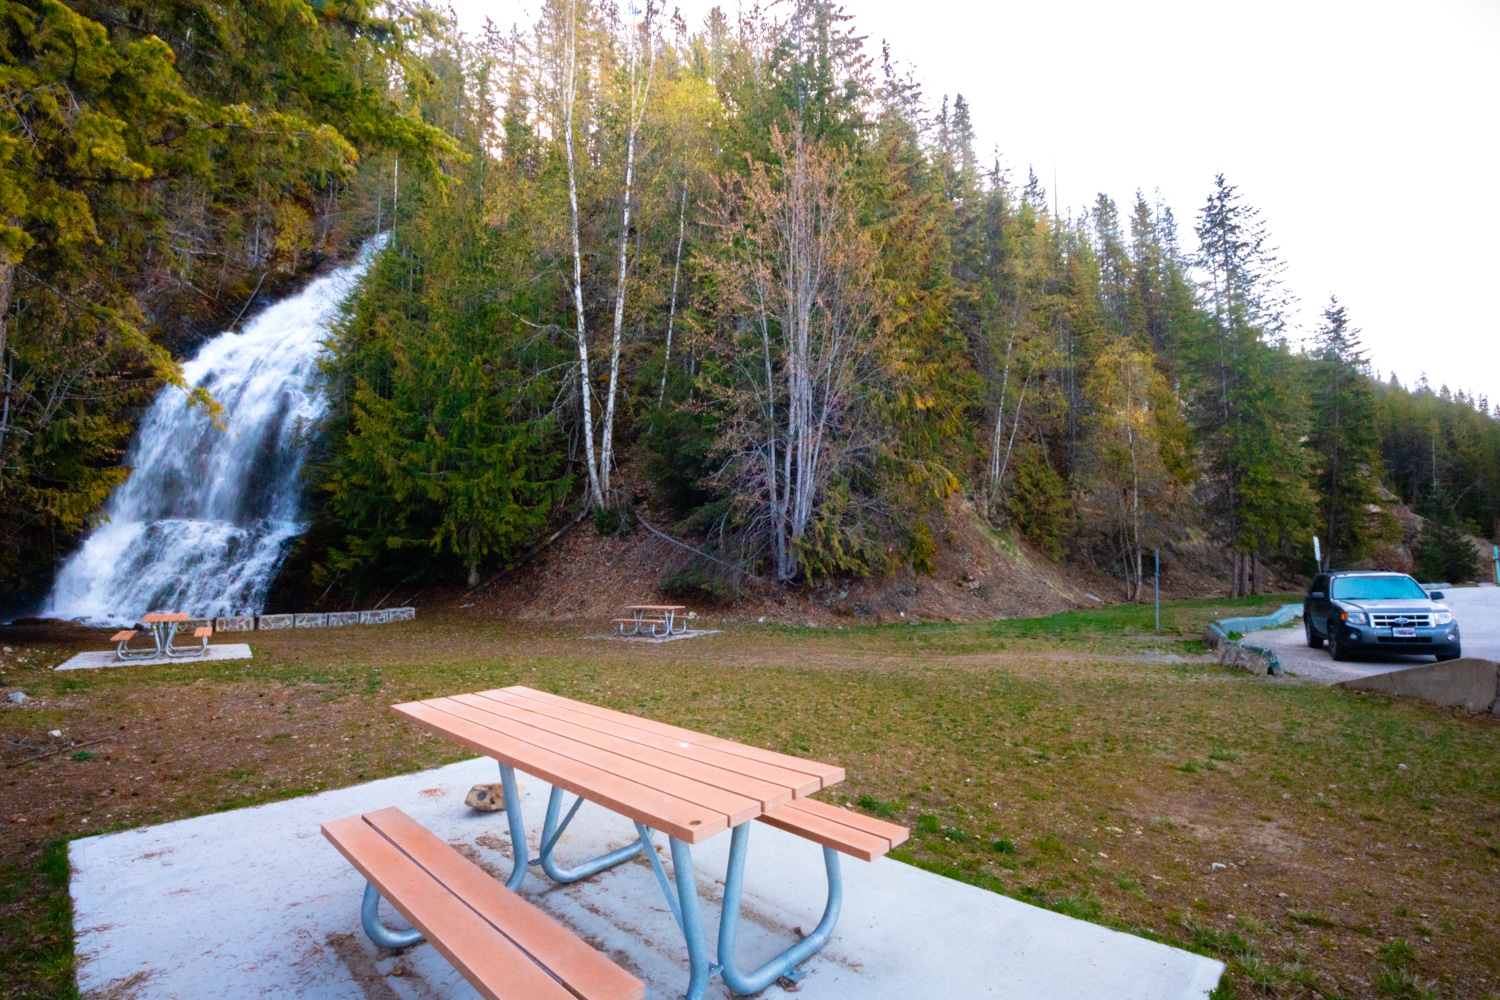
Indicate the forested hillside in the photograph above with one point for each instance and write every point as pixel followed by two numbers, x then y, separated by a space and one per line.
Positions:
pixel 160 165
pixel 746 263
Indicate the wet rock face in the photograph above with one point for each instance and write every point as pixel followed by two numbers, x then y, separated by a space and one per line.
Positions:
pixel 486 798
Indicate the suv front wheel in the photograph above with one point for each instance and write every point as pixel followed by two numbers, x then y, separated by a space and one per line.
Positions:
pixel 1314 640
pixel 1335 648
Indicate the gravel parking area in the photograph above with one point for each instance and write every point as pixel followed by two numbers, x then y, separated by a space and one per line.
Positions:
pixel 1477 610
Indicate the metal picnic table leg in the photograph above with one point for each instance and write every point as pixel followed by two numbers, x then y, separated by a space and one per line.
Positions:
pixel 684 906
pixel 369 919
pixel 786 963
pixel 552 832
pixel 517 827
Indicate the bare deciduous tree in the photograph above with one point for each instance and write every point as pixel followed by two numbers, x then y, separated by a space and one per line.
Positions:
pixel 800 292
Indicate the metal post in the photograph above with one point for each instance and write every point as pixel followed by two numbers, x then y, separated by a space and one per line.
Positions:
pixel 785 964
pixel 517 827
pixel 369 919
pixel 699 968
pixel 1157 553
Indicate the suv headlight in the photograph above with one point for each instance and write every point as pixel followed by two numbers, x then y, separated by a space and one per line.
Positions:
pixel 1442 618
pixel 1355 617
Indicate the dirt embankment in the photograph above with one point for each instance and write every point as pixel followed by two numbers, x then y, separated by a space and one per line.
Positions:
pixel 978 573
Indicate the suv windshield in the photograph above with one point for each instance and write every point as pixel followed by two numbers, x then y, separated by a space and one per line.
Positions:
pixel 1377 588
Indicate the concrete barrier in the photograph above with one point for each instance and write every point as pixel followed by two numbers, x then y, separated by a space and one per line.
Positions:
pixel 333 619
pixel 1233 653
pixel 1468 683
pixel 1256 659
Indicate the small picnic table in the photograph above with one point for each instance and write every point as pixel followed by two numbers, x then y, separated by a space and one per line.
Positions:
pixel 689 785
pixel 163 628
pixel 666 617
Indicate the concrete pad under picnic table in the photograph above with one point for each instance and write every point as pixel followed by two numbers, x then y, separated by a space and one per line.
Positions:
pixel 256 902
pixel 95 660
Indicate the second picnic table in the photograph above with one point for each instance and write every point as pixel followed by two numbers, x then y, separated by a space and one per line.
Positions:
pixel 689 785
pixel 163 626
pixel 664 615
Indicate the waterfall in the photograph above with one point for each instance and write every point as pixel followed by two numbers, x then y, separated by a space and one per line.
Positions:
pixel 205 518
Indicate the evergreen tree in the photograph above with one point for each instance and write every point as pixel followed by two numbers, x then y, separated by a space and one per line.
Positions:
pixel 1246 403
pixel 1345 453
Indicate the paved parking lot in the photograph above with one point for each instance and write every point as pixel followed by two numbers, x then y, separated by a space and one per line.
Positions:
pixel 1476 608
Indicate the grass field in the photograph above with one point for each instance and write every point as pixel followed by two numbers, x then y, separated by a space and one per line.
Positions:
pixel 1322 843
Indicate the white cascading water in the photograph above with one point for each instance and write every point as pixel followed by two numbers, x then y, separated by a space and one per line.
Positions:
pixel 204 521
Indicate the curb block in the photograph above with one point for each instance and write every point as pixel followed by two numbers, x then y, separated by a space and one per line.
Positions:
pixel 1234 653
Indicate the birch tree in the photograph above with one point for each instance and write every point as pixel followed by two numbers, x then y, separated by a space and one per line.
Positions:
pixel 638 92
pixel 585 379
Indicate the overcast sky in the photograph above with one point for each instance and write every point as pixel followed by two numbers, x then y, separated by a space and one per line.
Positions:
pixel 1367 133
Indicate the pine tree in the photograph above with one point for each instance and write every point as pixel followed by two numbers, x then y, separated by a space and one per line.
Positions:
pixel 1345 453
pixel 1246 406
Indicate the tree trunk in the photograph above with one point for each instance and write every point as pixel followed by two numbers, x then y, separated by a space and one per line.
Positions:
pixel 596 494
pixel 7 278
pixel 638 98
pixel 661 396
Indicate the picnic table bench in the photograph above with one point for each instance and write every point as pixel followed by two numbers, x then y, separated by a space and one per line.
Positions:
pixel 686 784
pixel 503 945
pixel 163 628
pixel 665 615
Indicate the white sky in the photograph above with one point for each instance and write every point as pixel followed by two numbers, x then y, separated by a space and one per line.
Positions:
pixel 1368 133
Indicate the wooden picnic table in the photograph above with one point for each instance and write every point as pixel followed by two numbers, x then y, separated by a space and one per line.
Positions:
pixel 666 617
pixel 689 785
pixel 163 626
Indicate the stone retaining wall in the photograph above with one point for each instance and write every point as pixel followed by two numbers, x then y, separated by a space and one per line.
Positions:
pixel 333 619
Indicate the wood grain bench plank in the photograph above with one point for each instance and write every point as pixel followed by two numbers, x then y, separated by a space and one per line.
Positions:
pixel 504 946
pixel 848 832
pixel 124 636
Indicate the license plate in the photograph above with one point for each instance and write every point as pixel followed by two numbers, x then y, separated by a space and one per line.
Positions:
pixel 1404 633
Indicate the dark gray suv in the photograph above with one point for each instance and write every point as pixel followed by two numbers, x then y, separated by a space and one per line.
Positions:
pixel 1361 611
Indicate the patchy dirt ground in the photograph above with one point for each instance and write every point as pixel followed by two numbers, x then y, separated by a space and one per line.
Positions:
pixel 979 573
pixel 1322 843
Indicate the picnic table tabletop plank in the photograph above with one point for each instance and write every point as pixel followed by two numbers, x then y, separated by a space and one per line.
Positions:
pixel 163 618
pixel 738 808
pixel 799 782
pixel 769 794
pixel 689 785
pixel 827 774
pixel 656 607
pixel 674 816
